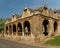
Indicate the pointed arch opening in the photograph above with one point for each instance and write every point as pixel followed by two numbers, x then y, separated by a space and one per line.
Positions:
pixel 45 27
pixel 14 28
pixel 19 29
pixel 27 28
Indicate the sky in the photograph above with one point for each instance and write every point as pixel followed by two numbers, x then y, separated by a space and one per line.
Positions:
pixel 9 7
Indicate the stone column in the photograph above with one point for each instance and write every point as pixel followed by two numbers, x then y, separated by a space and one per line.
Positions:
pixel 22 30
pixel 50 28
pixel 16 30
pixel 37 28
pixel 4 30
pixel 8 30
pixel 31 28
pixel 12 29
pixel 58 28
pixel 41 28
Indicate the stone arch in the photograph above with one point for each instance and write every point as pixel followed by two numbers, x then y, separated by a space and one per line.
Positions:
pixel 45 27
pixel 19 27
pixel 14 28
pixel 27 27
pixel 55 26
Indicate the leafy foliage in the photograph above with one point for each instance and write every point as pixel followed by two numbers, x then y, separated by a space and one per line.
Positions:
pixel 2 21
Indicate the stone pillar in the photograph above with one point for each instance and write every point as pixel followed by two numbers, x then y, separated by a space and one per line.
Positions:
pixel 4 30
pixel 41 28
pixel 12 29
pixel 37 28
pixel 31 28
pixel 16 30
pixel 50 28
pixel 22 30
pixel 58 28
pixel 8 30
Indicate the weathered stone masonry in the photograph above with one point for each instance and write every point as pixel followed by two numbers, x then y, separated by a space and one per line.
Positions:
pixel 33 25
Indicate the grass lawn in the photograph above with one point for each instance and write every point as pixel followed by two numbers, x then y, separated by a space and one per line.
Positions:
pixel 55 41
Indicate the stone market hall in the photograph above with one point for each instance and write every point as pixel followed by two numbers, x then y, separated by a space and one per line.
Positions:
pixel 33 25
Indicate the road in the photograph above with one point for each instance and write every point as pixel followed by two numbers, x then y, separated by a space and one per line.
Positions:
pixel 10 44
